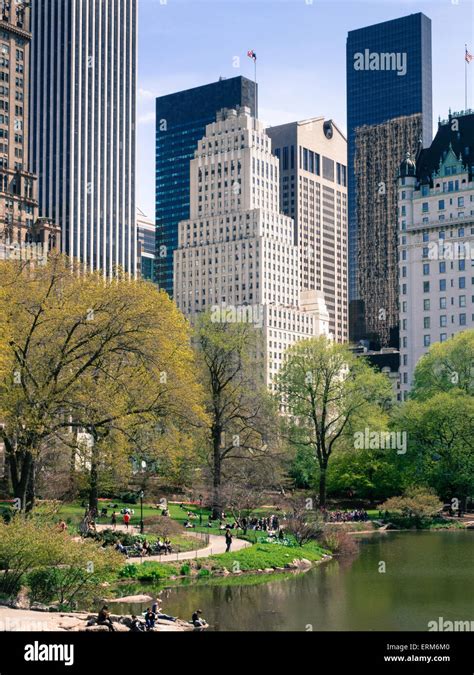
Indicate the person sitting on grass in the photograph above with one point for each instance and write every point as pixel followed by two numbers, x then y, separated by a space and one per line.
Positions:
pixel 103 619
pixel 150 618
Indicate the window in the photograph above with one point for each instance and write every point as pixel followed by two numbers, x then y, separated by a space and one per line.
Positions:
pixel 442 267
pixel 441 204
pixel 462 301
pixel 426 340
pixel 462 281
pixel 426 269
pixel 425 207
pixel 426 322
pixel 442 303
pixel 462 319
pixel 442 284
pixel 426 236
pixel 443 337
pixel 426 305
pixel 426 287
pixel 443 320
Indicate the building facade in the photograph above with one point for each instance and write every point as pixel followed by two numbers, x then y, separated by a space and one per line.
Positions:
pixel 389 76
pixel 436 230
pixel 146 235
pixel 313 191
pixel 379 150
pixel 82 133
pixel 22 234
pixel 236 253
pixel 181 120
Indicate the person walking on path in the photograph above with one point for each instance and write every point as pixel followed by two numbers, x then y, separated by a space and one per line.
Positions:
pixel 126 519
pixel 114 521
pixel 228 540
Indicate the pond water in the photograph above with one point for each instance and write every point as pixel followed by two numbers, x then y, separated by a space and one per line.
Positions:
pixel 427 575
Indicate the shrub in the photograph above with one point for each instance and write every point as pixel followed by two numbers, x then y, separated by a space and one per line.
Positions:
pixel 43 584
pixel 59 567
pixel 185 570
pixel 337 540
pixel 415 508
pixel 163 526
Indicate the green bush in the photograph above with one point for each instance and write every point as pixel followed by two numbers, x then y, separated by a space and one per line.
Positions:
pixel 417 507
pixel 185 570
pixel 43 585
pixel 59 567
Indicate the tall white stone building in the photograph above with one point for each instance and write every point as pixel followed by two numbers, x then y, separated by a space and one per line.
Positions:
pixel 236 254
pixel 436 223
pixel 313 191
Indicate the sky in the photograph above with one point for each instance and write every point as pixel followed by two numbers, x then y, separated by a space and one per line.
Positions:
pixel 300 46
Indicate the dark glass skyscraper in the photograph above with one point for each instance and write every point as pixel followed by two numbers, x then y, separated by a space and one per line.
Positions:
pixel 388 77
pixel 181 120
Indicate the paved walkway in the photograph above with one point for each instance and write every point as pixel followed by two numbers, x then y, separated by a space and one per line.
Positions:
pixel 216 545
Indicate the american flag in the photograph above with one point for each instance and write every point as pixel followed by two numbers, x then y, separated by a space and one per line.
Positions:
pixel 252 55
pixel 468 56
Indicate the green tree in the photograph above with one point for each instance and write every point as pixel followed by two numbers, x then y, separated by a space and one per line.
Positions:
pixel 441 442
pixel 445 367
pixel 328 392
pixel 88 354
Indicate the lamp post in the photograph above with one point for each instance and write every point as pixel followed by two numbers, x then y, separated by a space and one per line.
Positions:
pixel 142 494
pixel 200 510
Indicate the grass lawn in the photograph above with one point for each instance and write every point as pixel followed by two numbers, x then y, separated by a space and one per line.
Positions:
pixel 256 557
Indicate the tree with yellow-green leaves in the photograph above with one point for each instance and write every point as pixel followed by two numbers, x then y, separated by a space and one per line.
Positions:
pixel 84 356
pixel 329 393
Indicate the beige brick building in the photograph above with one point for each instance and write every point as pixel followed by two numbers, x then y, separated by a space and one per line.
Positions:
pixel 313 191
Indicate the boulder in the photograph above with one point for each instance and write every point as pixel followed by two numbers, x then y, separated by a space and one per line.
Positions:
pixel 131 599
pixel 268 570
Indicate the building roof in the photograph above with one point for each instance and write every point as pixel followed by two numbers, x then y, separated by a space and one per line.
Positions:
pixel 456 134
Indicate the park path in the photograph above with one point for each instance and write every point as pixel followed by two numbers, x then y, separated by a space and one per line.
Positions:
pixel 216 545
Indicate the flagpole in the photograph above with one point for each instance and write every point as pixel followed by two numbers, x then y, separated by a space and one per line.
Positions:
pixel 465 77
pixel 256 92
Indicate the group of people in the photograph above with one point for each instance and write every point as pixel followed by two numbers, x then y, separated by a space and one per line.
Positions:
pixel 144 548
pixel 150 617
pixel 357 515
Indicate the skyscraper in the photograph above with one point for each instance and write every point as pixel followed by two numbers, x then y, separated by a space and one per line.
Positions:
pixel 388 77
pixel 82 133
pixel 181 120
pixel 313 191
pixel 236 253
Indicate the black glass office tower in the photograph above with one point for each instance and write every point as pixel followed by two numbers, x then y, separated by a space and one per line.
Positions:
pixel 388 77
pixel 83 120
pixel 181 120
